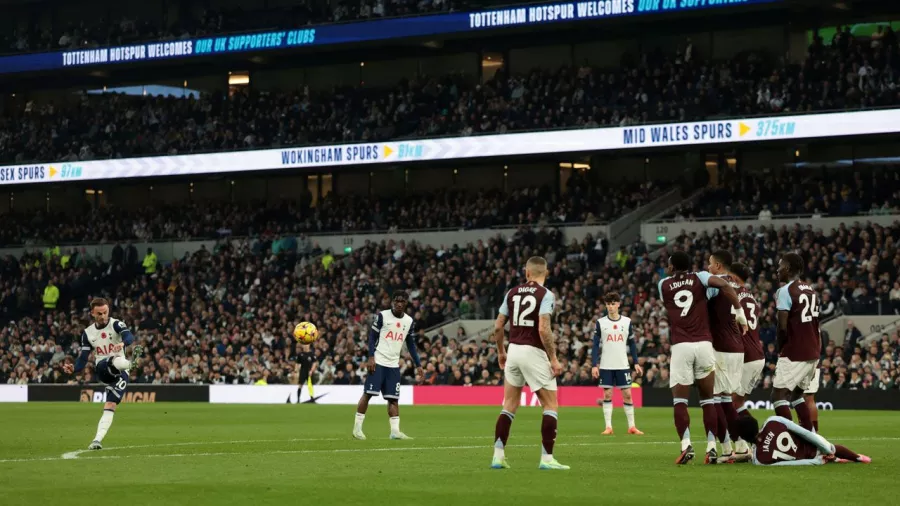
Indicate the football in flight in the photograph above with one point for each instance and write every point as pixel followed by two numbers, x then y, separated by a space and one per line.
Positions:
pixel 305 332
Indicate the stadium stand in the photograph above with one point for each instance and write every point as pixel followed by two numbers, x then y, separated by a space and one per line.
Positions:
pixel 220 316
pixel 441 209
pixel 182 317
pixel 650 87
pixel 837 192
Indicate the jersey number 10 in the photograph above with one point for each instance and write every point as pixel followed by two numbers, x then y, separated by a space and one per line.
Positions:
pixel 522 307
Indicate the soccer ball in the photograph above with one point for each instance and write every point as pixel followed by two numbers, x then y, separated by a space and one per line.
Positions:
pixel 305 332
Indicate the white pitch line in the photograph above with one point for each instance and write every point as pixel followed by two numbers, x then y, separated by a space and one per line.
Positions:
pixel 75 454
pixel 336 450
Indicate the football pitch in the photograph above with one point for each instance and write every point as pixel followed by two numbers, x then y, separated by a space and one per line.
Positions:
pixel 303 454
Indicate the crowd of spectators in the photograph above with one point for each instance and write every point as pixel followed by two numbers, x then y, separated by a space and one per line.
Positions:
pixel 223 316
pixel 99 32
pixel 654 86
pixel 819 193
pixel 443 209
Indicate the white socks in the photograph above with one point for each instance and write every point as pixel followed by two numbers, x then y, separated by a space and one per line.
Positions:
pixel 741 446
pixel 106 420
pixel 686 440
pixel 360 418
pixel 121 363
pixel 710 441
pixel 726 446
pixel 629 415
pixel 499 451
pixel 607 413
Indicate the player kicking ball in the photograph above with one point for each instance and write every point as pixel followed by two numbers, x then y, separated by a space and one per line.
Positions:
pixel 611 334
pixel 391 328
pixel 531 359
pixel 782 442
pixel 107 337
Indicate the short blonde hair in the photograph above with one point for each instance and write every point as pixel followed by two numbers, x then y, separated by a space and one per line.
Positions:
pixel 537 266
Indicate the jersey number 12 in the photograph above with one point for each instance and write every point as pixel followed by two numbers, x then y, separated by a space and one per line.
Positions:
pixel 522 307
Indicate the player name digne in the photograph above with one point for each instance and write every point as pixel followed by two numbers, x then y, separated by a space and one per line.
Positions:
pixel 526 289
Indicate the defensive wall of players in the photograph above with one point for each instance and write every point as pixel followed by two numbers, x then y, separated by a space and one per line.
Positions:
pixel 569 396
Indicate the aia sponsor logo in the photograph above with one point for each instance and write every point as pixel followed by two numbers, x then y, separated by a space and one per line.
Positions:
pixel 108 349
pixel 394 336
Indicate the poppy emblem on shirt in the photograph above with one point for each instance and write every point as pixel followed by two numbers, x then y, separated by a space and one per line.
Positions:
pixel 398 325
pixel 615 327
pixel 103 335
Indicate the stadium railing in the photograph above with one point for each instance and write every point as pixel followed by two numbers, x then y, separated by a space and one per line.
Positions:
pixel 875 334
pixel 627 228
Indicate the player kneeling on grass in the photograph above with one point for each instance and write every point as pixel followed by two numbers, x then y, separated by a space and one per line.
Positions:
pixel 391 328
pixel 107 337
pixel 782 442
pixel 612 333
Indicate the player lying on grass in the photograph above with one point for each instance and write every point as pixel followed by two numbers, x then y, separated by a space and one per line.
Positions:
pixel 107 338
pixel 782 442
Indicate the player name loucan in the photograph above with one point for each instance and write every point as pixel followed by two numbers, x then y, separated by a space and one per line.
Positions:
pixel 679 284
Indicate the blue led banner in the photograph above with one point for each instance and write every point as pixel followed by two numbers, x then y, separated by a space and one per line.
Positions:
pixel 363 31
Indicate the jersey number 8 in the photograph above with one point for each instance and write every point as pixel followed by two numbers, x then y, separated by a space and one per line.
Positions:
pixel 522 308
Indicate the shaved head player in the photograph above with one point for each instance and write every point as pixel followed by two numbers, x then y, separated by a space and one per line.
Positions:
pixel 531 360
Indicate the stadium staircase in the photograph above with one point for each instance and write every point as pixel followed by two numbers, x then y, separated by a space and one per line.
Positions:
pixel 627 229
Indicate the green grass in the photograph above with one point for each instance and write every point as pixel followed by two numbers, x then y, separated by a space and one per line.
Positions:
pixel 295 454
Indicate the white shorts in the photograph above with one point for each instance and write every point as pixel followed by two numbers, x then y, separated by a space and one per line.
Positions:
pixel 527 365
pixel 814 384
pixel 729 367
pixel 791 375
pixel 751 373
pixel 691 361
